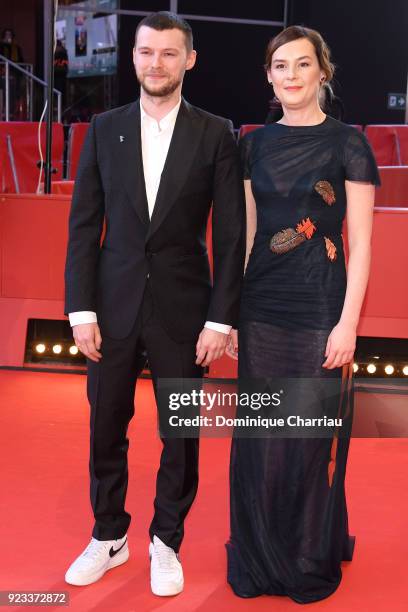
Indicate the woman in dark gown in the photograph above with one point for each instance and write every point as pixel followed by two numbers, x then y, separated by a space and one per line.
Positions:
pixel 299 313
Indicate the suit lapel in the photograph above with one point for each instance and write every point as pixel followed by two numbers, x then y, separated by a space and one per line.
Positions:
pixel 184 143
pixel 130 160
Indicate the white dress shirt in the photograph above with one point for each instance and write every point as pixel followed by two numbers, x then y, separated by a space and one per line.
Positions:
pixel 156 137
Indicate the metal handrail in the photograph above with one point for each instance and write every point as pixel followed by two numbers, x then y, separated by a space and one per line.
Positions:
pixel 31 76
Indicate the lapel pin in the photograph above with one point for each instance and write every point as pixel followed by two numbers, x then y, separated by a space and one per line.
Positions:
pixel 121 138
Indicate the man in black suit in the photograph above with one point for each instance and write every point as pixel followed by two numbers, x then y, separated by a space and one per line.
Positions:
pixel 151 171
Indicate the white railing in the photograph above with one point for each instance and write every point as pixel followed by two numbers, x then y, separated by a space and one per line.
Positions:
pixel 31 79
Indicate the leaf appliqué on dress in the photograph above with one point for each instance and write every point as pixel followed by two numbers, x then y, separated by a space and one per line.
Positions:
pixel 306 227
pixel 331 249
pixel 325 189
pixel 286 240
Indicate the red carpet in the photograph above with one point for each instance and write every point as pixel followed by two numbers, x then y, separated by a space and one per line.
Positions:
pixel 46 520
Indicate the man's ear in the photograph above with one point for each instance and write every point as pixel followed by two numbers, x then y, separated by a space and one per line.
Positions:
pixel 191 59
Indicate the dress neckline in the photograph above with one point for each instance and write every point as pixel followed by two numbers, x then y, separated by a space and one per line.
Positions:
pixel 303 127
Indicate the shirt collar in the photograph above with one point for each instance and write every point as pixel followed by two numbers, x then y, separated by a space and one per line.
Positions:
pixel 167 121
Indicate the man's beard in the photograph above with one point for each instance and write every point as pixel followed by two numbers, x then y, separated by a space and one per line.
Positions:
pixel 162 92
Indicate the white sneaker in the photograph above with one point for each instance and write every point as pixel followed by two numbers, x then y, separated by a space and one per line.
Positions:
pixel 166 573
pixel 96 559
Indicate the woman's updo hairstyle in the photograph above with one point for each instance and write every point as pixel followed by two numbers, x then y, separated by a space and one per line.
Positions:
pixel 294 33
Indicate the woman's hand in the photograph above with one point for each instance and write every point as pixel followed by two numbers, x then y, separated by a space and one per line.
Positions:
pixel 232 344
pixel 340 347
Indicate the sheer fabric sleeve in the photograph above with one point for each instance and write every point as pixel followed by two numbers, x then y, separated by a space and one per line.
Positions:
pixel 245 148
pixel 358 159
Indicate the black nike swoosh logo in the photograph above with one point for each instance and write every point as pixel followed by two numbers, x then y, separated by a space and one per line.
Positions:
pixel 112 552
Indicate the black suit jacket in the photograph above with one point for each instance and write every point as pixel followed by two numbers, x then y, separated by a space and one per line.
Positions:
pixel 202 169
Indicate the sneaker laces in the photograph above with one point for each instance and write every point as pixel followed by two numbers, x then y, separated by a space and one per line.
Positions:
pixel 95 548
pixel 165 557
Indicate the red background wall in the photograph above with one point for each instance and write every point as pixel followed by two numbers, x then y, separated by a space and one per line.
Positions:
pixel 33 237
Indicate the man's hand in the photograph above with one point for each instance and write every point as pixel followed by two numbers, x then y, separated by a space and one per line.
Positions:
pixel 88 339
pixel 232 346
pixel 211 345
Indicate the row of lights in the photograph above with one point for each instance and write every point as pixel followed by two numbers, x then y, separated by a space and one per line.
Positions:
pixel 57 349
pixel 371 368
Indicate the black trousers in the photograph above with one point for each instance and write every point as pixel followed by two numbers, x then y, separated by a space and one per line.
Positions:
pixel 111 390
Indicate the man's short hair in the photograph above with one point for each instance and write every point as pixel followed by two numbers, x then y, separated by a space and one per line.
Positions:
pixel 165 20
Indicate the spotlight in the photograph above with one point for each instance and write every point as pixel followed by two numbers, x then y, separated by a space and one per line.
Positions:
pixel 73 350
pixel 57 349
pixel 40 348
pixel 371 368
pixel 355 367
pixel 389 369
pixel 405 370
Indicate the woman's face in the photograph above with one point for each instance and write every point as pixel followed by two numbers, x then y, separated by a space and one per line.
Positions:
pixel 295 74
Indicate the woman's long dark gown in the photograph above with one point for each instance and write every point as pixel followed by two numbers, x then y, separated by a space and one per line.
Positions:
pixel 289 527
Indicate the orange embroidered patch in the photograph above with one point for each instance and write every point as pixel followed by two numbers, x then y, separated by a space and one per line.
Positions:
pixel 306 227
pixel 331 249
pixel 325 189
